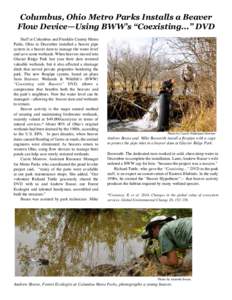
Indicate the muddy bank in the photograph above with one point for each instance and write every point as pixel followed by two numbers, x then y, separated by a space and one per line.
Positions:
pixel 141 266
pixel 133 106
pixel 128 105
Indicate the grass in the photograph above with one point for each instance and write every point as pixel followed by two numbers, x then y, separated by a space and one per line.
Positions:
pixel 202 119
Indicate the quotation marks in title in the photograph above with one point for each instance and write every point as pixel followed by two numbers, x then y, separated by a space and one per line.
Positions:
pixel 205 26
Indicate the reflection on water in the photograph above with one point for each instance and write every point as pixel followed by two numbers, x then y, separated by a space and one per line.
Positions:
pixel 73 239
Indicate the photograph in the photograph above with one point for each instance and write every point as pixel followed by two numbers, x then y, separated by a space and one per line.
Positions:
pixel 103 242
pixel 161 84
pixel 116 151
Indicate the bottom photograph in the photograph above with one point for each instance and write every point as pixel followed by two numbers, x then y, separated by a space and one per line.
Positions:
pixel 103 242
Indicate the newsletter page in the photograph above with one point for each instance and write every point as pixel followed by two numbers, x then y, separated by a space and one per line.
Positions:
pixel 116 150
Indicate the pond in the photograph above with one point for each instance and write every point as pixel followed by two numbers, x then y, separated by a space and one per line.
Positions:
pixel 71 240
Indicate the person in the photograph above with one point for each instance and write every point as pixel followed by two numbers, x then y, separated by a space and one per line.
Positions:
pixel 188 76
pixel 167 87
pixel 163 104
pixel 172 234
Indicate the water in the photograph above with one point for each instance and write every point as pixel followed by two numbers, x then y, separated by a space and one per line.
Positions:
pixel 149 122
pixel 75 239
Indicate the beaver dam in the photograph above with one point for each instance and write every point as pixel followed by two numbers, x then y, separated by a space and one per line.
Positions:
pixel 137 111
pixel 86 242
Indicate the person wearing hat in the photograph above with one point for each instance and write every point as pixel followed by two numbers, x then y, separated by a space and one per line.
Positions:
pixel 163 104
pixel 167 87
pixel 172 234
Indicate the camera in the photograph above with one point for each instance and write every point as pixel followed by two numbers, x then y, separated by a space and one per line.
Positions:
pixel 147 235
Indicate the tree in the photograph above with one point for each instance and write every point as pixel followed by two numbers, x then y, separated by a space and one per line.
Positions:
pixel 200 53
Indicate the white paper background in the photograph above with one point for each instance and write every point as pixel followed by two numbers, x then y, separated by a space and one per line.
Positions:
pixel 211 219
